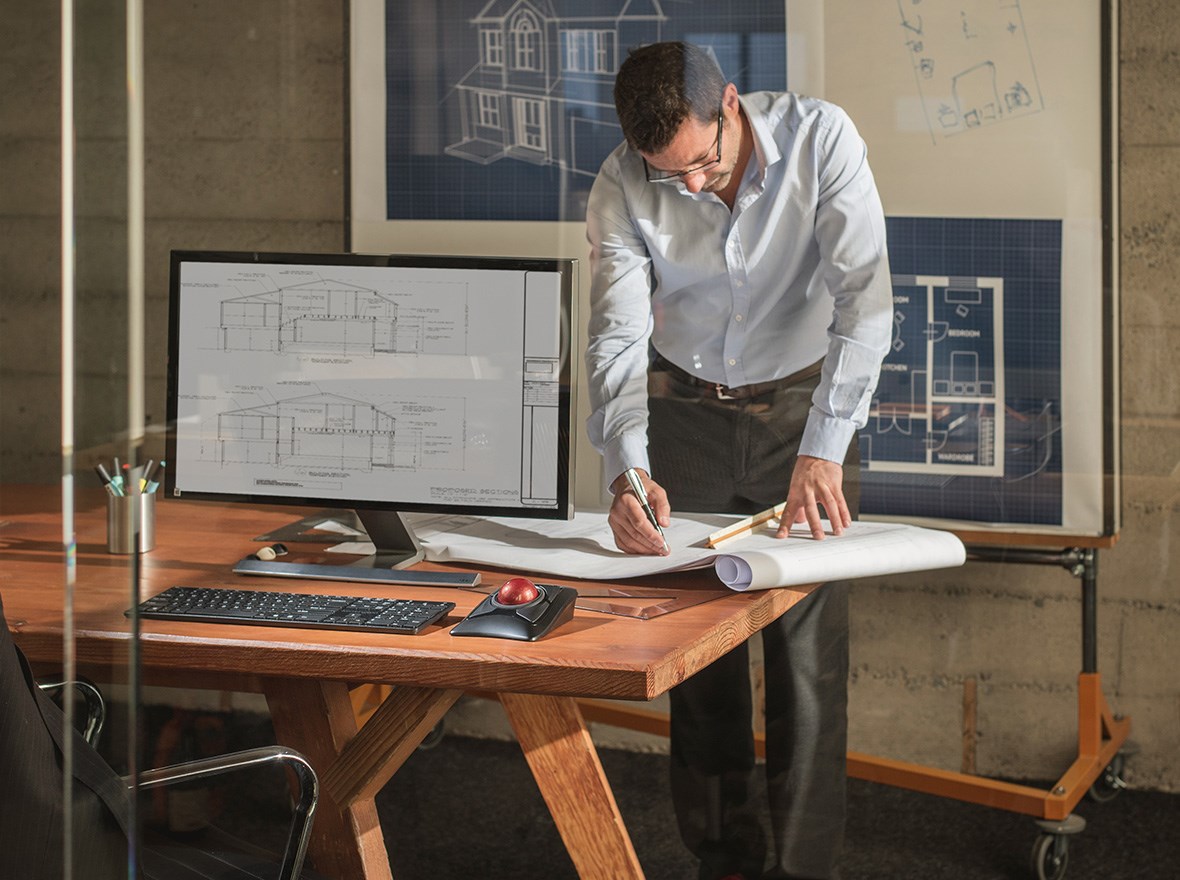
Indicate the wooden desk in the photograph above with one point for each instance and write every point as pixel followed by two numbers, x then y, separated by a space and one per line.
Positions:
pixel 306 674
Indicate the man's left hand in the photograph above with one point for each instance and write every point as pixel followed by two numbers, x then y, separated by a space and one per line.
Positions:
pixel 816 482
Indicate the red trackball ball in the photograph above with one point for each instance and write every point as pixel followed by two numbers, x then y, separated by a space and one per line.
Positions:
pixel 517 591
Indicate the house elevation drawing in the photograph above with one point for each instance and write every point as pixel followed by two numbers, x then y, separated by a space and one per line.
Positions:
pixel 334 317
pixel 939 405
pixel 540 89
pixel 504 109
pixel 437 382
pixel 334 431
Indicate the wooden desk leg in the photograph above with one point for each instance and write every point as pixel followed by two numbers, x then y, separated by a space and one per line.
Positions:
pixel 564 762
pixel 387 740
pixel 316 718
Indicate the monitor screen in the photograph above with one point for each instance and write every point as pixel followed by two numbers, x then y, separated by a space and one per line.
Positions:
pixel 376 383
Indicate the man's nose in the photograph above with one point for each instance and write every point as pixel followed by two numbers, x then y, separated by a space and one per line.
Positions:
pixel 694 181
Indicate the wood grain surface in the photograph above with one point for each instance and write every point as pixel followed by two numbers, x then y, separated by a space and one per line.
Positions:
pixel 595 654
pixel 306 674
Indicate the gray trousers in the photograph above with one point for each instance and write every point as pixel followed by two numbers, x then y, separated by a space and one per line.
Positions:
pixel 737 456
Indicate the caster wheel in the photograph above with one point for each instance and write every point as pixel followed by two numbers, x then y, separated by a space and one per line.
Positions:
pixel 1110 782
pixel 1050 856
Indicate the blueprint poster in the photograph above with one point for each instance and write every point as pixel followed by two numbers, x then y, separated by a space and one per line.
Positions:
pixel 503 110
pixel 966 420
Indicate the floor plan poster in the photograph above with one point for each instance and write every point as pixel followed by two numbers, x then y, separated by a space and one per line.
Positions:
pixel 503 109
pixel 966 420
pixel 939 405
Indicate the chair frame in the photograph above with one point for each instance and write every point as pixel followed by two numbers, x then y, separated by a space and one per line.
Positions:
pixel 308 785
pixel 298 838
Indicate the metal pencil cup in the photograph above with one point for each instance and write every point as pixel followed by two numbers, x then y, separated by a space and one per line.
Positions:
pixel 128 515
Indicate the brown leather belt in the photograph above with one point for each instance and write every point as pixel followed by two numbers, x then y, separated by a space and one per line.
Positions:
pixel 742 392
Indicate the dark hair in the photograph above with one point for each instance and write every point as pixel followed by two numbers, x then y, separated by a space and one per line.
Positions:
pixel 659 86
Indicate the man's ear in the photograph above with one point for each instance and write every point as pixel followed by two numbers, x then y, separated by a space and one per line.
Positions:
pixel 729 99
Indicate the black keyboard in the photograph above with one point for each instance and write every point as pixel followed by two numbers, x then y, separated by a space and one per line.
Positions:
pixel 304 610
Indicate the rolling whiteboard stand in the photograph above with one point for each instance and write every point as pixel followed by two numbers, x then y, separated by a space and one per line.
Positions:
pixel 1102 736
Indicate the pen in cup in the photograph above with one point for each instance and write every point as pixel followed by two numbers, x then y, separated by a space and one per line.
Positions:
pixel 107 482
pixel 117 476
pixel 153 479
pixel 636 483
pixel 147 470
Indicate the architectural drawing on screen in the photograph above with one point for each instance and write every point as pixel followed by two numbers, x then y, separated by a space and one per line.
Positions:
pixel 334 431
pixel 540 90
pixel 939 405
pixel 333 317
pixel 972 60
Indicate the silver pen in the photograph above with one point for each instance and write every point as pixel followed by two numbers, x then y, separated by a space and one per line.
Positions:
pixel 636 483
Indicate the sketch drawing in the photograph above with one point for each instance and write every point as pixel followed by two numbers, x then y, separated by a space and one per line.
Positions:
pixel 972 60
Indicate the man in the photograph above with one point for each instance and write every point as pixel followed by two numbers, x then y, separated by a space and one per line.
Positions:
pixel 741 307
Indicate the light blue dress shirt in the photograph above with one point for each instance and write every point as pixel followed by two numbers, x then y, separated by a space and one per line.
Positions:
pixel 796 272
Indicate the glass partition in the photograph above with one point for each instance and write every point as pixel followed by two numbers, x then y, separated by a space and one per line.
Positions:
pixel 84 252
pixel 1008 410
pixel 102 381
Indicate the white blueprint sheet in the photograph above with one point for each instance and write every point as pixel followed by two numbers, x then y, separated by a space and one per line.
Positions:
pixel 584 548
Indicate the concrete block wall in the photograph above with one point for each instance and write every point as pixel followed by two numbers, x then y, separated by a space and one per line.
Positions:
pixel 246 150
pixel 1143 571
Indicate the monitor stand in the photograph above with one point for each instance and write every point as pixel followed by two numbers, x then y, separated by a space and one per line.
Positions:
pixel 397 548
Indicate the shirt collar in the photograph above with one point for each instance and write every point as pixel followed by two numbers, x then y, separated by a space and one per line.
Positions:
pixel 766 150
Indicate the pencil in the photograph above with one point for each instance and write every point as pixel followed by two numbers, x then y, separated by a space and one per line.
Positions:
pixel 742 526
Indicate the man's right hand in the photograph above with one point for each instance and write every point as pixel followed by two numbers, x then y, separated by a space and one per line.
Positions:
pixel 633 533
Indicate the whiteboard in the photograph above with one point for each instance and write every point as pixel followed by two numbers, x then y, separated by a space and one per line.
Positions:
pixel 988 130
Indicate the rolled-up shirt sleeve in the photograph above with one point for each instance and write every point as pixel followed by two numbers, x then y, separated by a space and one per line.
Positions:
pixel 620 327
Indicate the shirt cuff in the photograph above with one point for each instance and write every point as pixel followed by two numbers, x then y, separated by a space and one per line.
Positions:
pixel 826 437
pixel 621 453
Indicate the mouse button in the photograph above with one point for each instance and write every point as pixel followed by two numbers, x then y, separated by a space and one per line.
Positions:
pixel 533 611
pixel 484 607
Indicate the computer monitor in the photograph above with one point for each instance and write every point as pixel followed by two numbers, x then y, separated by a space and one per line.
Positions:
pixel 373 383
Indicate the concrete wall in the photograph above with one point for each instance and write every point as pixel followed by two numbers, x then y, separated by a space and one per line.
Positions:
pixel 246 149
pixel 1141 579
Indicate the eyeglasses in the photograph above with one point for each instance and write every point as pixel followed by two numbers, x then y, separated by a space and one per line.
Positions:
pixel 665 176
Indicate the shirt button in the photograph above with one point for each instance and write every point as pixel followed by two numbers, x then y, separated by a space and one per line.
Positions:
pixel 732 362
pixel 737 317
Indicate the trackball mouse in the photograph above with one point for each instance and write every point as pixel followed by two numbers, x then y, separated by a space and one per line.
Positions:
pixel 520 610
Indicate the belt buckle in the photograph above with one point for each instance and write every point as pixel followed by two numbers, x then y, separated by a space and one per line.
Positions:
pixel 720 390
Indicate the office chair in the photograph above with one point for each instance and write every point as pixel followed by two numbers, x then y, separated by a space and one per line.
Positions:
pixel 32 786
pixel 96 707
